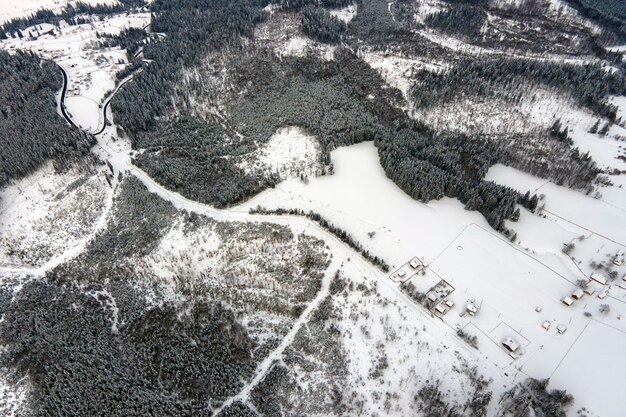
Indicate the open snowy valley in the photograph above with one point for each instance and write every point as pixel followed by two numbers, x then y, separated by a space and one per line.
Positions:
pixel 313 208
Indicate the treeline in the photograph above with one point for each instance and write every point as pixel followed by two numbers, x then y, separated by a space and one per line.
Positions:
pixel 197 159
pixel 330 100
pixel 550 158
pixel 130 39
pixel 608 13
pixel 319 24
pixel 299 4
pixel 326 225
pixel 193 29
pixel 31 130
pixel 427 169
pixel 588 84
pixel 460 19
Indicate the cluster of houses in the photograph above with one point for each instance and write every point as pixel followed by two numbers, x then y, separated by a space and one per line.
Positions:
pixel 577 295
pixel 407 270
pixel 444 306
pixel 596 284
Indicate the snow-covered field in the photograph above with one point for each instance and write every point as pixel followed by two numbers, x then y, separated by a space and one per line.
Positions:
pixel 12 9
pixel 596 366
pixel 509 281
pixel 361 199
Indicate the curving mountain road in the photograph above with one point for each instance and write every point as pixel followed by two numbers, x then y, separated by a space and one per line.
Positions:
pixel 64 113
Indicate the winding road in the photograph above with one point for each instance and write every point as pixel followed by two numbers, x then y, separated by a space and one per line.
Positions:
pixel 64 113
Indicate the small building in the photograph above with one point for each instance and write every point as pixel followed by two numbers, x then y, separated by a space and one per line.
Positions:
pixel 546 325
pixel 414 264
pixel 619 259
pixel 589 291
pixel 449 303
pixel 401 274
pixel 561 328
pixel 577 295
pixel 602 295
pixel 599 278
pixel 440 308
pixel 538 309
pixel 624 277
pixel 567 301
pixel 432 297
pixel 471 309
pixel 510 344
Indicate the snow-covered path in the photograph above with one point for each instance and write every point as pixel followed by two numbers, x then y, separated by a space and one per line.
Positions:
pixel 276 354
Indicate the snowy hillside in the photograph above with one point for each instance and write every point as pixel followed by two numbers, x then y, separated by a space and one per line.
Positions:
pixel 313 208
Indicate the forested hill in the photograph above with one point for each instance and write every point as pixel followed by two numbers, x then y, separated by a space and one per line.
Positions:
pixel 610 13
pixel 31 130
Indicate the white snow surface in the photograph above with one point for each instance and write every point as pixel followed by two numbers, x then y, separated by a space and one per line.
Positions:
pixel 12 9
pixel 360 198
pixel 345 14
pixel 289 153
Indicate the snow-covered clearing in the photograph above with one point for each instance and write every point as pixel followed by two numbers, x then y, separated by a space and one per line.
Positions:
pixel 46 214
pixel 458 45
pixel 398 71
pixel 538 109
pixel 282 33
pixel 346 14
pixel 300 46
pixel 427 8
pixel 290 152
pixel 12 9
pixel 360 199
